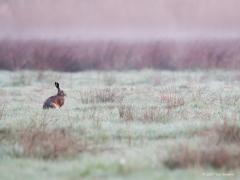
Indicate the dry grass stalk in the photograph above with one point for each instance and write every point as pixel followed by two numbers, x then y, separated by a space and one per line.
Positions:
pixel 2 109
pixel 38 140
pixel 228 132
pixel 126 112
pixel 106 95
pixel 146 114
pixel 153 113
pixel 217 154
pixel 46 144
pixel 216 157
pixel 172 100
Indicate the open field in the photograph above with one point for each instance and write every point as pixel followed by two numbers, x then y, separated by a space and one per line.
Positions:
pixel 133 125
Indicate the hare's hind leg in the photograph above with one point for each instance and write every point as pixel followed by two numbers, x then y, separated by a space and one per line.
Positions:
pixel 54 105
pixel 51 106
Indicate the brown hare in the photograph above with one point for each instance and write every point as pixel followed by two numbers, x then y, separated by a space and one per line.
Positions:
pixel 56 101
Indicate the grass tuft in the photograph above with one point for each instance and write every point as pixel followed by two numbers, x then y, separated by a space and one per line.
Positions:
pixel 2 109
pixel 225 155
pixel 172 101
pixel 105 95
pixel 143 114
pixel 39 143
pixel 126 112
pixel 228 133
pixel 153 113
pixel 216 157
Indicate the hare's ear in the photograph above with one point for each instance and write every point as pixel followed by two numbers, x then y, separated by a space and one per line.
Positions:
pixel 57 85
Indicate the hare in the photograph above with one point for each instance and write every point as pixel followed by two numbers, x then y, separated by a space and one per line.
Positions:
pixel 56 101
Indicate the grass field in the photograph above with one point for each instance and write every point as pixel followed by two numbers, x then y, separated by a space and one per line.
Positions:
pixel 120 125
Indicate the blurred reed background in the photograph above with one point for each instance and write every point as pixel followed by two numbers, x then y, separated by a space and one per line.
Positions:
pixel 74 35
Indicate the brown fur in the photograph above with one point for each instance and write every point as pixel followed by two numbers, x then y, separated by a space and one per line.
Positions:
pixel 56 101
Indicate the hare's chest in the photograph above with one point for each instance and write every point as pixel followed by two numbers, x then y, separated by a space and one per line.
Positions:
pixel 59 102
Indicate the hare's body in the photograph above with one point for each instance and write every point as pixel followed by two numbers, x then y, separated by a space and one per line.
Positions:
pixel 56 101
pixel 53 102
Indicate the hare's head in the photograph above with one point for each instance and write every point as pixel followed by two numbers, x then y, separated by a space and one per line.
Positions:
pixel 60 92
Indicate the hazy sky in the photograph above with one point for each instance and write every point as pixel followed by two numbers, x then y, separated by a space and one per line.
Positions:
pixel 118 16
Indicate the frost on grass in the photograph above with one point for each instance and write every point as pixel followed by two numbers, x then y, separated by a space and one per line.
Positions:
pixel 214 156
pixel 109 79
pixel 228 133
pixel 222 152
pixel 49 145
pixel 38 140
pixel 129 118
pixel 144 114
pixel 104 95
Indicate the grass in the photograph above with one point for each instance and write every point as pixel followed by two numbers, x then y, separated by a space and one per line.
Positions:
pixel 105 95
pixel 120 125
pixel 211 156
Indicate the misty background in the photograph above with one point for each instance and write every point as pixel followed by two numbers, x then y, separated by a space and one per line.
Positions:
pixel 89 34
pixel 119 17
